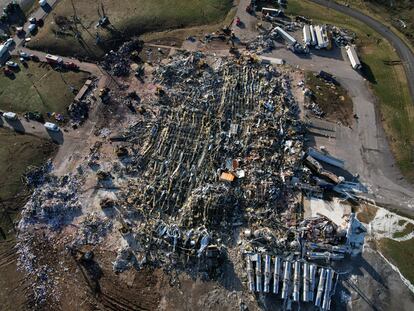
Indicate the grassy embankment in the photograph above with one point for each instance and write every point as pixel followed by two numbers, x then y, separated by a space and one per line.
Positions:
pixel 128 18
pixel 39 88
pixel 388 82
pixel 401 254
pixel 395 14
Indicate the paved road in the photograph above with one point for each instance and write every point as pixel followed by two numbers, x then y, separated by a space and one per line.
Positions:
pixel 403 51
pixel 40 13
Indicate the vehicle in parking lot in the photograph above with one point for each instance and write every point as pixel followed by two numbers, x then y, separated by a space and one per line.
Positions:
pixel 34 58
pixel 71 65
pixel 12 64
pixel 24 55
pixel 10 116
pixel 7 72
pixel 9 42
pixel 51 127
pixel 43 3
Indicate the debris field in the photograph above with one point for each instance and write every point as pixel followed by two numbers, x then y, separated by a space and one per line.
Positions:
pixel 214 162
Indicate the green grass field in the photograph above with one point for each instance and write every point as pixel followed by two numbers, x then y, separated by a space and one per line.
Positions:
pixel 17 152
pixel 400 254
pixel 128 18
pixel 398 14
pixel 389 83
pixel 39 88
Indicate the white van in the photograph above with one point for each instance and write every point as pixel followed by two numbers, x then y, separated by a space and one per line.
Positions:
pixel 10 116
pixel 51 127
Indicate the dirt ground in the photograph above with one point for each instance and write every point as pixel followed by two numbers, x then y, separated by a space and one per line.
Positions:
pixel 332 99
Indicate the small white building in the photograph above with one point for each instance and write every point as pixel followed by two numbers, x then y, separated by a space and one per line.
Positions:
pixel 353 57
pixel 321 36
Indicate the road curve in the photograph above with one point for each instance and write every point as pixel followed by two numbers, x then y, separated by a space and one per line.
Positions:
pixel 403 51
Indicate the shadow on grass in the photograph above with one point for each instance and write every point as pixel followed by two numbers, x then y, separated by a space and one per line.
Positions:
pixel 367 73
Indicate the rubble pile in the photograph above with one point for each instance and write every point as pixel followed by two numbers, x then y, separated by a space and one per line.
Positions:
pixel 54 202
pixel 342 37
pixel 43 284
pixel 79 111
pixel 118 63
pixel 221 153
pixel 92 230
pixel 218 154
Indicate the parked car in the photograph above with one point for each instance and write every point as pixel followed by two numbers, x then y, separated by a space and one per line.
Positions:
pixel 51 127
pixel 34 58
pixel 24 55
pixel 32 28
pixel 9 42
pixel 43 3
pixel 12 64
pixel 10 116
pixel 7 72
pixel 71 65
pixel 32 20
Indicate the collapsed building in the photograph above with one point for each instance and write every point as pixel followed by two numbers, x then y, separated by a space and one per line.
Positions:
pixel 218 148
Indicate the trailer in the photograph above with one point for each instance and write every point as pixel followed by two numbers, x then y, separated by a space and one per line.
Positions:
pixel 353 57
pixel 321 36
pixel 52 59
pixel 271 12
pixel 314 40
pixel 307 38
pixel 289 39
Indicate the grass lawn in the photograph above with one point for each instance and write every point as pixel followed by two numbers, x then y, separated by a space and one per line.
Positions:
pixel 39 88
pixel 389 83
pixel 17 152
pixel 400 254
pixel 390 13
pixel 128 18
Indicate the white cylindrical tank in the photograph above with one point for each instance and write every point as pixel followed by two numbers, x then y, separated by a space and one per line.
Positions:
pixel 276 274
pixel 312 281
pixel 267 273
pixel 296 281
pixel 306 282
pixel 321 285
pixel 286 279
pixel 328 287
pixel 250 274
pixel 259 273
